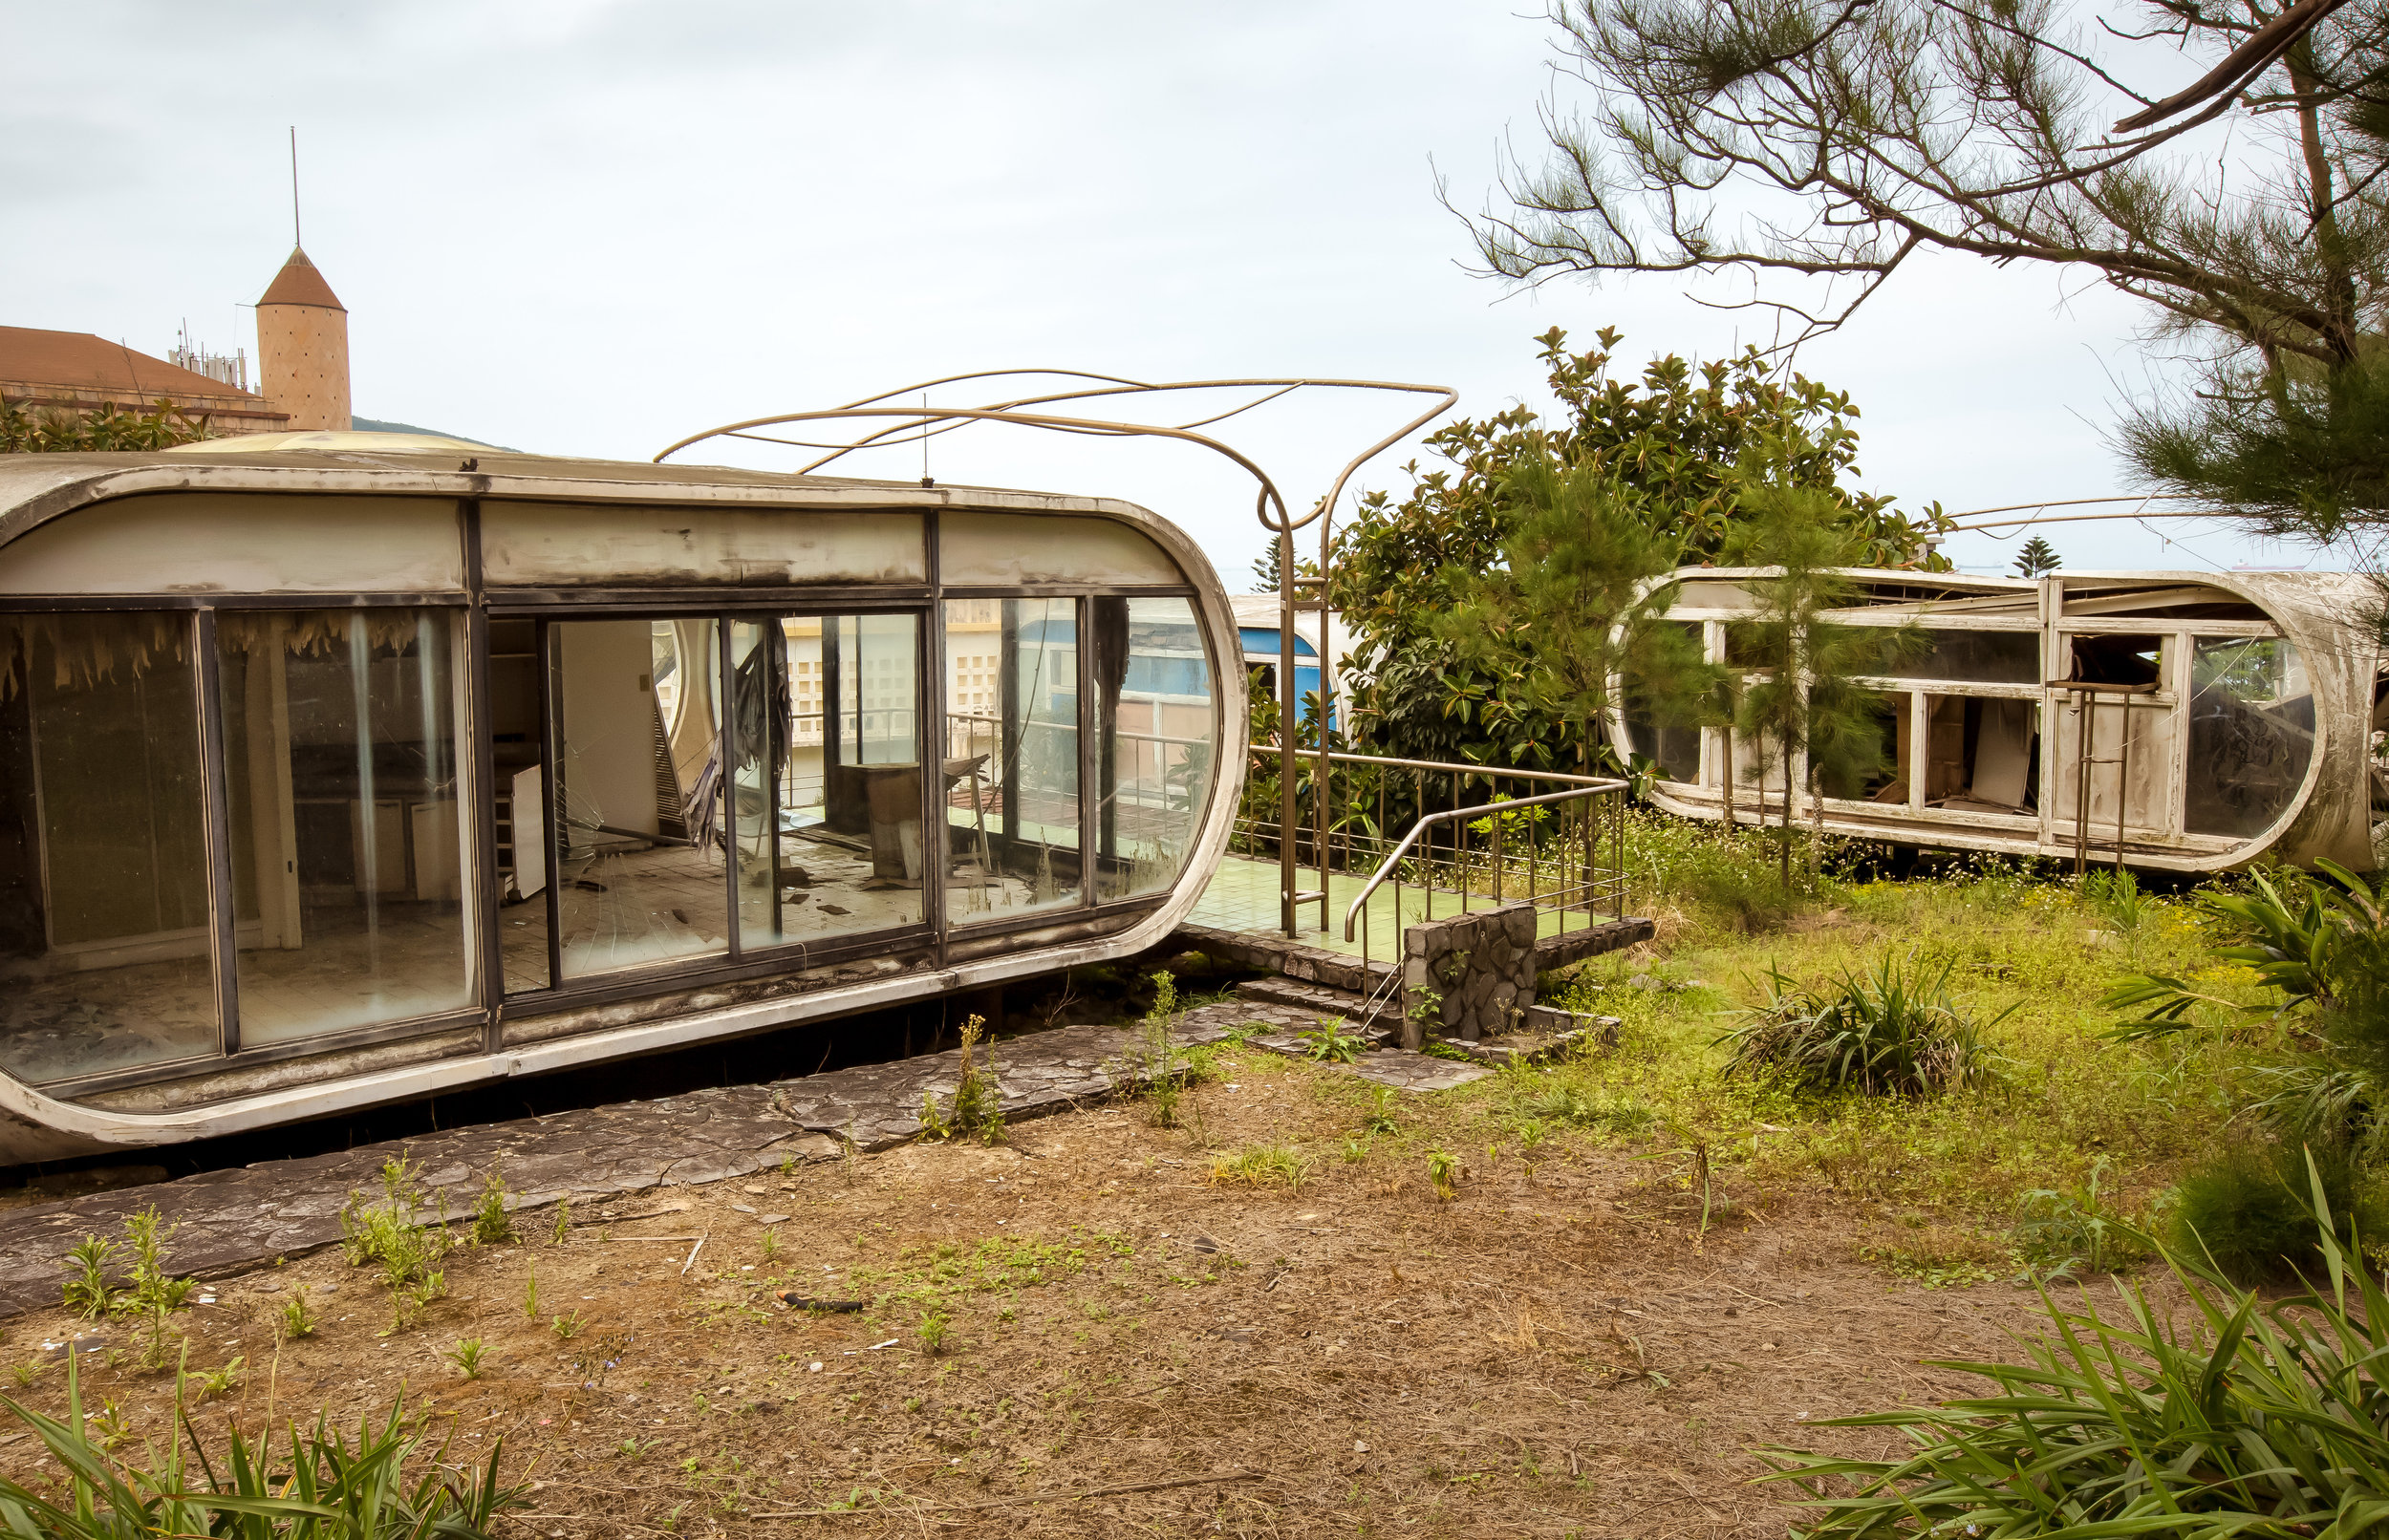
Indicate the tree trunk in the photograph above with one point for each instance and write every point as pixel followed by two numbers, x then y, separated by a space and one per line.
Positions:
pixel 1817 805
pixel 1729 737
pixel 1786 852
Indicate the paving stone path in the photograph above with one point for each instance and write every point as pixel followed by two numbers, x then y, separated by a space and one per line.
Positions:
pixel 232 1219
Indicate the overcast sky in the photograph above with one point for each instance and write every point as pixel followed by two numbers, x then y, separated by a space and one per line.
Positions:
pixel 594 227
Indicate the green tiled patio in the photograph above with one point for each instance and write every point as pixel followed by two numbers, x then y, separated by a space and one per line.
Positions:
pixel 1242 896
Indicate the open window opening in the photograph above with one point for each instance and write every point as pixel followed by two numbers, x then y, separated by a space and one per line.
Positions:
pixel 828 787
pixel 1982 756
pixel 2117 660
pixel 1887 779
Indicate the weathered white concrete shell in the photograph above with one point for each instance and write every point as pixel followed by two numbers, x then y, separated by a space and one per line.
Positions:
pixel 364 521
pixel 2237 724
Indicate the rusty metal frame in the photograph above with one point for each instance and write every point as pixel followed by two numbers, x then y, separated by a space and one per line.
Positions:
pixel 1298 595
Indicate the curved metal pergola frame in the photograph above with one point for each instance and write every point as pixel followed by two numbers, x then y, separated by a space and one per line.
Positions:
pixel 1297 594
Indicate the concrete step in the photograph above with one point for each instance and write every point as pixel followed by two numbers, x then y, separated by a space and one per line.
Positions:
pixel 1318 997
pixel 1547 1034
pixel 1269 952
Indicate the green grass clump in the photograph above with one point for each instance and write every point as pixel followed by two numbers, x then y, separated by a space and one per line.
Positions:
pixel 2248 1417
pixel 2249 1207
pixel 1892 1029
pixel 1270 1165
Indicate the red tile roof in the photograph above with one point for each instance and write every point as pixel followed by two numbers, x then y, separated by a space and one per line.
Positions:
pixel 78 361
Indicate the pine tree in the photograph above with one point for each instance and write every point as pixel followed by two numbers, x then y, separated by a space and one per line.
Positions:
pixel 2037 559
pixel 1807 711
pixel 1572 608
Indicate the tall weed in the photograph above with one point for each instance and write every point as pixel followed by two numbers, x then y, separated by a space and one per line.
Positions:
pixel 321 1487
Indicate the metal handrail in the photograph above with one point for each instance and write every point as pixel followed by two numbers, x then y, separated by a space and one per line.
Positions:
pixel 1489 771
pixel 1351 916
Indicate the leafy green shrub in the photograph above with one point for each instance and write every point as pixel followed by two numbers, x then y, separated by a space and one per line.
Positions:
pixel 320 1488
pixel 2058 1230
pixel 2249 1207
pixel 1893 1030
pixel 2251 1418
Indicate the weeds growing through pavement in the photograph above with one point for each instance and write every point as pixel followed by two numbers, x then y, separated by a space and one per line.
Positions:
pixel 978 1105
pixel 87 1291
pixel 408 1244
pixel 492 1225
pixel 1328 1043
pixel 150 1290
pixel 154 1289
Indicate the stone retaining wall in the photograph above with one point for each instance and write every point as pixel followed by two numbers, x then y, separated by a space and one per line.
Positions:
pixel 1467 975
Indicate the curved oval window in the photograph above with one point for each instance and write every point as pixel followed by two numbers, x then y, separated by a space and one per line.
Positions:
pixel 2251 732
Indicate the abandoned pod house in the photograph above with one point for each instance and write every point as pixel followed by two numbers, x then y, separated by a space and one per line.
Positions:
pixel 2171 720
pixel 340 769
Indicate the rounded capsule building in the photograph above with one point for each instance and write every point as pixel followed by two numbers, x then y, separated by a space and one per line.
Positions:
pixel 340 769
pixel 2184 721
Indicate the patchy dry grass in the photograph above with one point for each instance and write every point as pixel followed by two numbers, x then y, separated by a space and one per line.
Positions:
pixel 1566 1300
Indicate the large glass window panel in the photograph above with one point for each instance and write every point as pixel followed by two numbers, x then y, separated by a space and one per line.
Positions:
pixel 1152 676
pixel 1973 656
pixel 104 930
pixel 1011 760
pixel 2251 732
pixel 340 729
pixel 1670 741
pixel 829 783
pixel 640 831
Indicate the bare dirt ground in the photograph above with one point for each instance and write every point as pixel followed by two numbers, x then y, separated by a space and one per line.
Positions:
pixel 1134 1345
